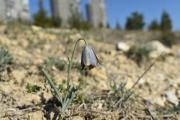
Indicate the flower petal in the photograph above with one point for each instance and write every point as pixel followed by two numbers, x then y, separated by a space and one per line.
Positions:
pixel 88 58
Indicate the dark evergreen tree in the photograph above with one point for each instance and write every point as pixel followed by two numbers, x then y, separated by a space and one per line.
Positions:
pixel 40 18
pixel 154 25
pixel 55 21
pixel 135 22
pixel 76 22
pixel 168 38
pixel 166 24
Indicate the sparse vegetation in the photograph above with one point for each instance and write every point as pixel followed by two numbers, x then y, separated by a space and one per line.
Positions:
pixel 5 58
pixel 24 92
pixel 59 64
pixel 167 38
pixel 56 62
pixel 165 26
pixel 64 98
pixel 32 88
pixel 40 18
pixel 138 53
pixel 121 95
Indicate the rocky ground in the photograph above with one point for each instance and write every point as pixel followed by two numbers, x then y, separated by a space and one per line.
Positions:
pixel 24 94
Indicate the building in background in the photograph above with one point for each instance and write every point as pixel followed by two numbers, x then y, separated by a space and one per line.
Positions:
pixel 96 13
pixel 11 10
pixel 64 9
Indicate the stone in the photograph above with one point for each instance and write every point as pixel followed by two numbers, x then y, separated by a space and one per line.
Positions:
pixel 35 28
pixel 122 46
pixel 171 97
pixel 156 45
pixel 156 49
pixel 160 101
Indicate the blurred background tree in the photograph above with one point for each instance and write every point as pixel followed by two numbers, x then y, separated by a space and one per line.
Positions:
pixel 154 25
pixel 75 21
pixel 167 36
pixel 118 26
pixel 55 21
pixel 166 23
pixel 135 22
pixel 42 19
pixel 108 26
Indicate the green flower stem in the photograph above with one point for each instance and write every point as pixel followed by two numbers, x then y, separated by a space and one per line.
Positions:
pixel 71 61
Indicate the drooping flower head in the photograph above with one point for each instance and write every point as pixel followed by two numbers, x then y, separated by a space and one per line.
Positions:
pixel 89 59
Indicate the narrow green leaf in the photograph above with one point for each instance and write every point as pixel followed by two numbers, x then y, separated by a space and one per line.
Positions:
pixel 56 92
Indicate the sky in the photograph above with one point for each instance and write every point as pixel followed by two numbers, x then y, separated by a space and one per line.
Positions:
pixel 119 10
